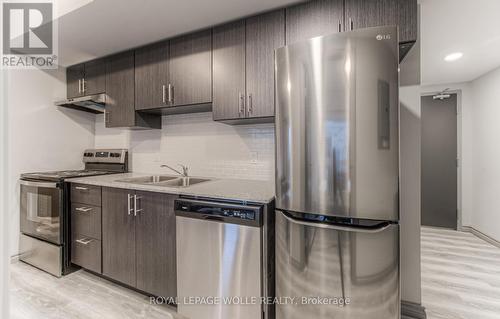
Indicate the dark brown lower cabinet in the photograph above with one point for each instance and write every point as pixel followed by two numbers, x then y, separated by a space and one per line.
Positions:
pixel 138 240
pixel 118 236
pixel 155 244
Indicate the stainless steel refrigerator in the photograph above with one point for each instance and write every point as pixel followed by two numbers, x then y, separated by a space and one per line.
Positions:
pixel 337 177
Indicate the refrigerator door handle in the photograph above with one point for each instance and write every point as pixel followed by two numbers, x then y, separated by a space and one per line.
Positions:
pixel 336 227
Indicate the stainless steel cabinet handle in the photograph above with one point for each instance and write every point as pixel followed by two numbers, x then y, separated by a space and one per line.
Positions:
pixel 334 227
pixel 242 104
pixel 250 104
pixel 129 208
pixel 83 86
pixel 83 209
pixel 79 85
pixel 136 199
pixel 340 26
pixel 163 94
pixel 81 188
pixel 84 241
pixel 351 24
pixel 170 93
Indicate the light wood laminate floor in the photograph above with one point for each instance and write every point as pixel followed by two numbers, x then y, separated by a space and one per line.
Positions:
pixel 460 275
pixel 35 294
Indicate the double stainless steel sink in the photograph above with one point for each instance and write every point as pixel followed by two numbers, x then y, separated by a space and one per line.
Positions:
pixel 164 180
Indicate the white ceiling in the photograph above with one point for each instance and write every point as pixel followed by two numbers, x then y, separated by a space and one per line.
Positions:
pixel 468 26
pixel 95 28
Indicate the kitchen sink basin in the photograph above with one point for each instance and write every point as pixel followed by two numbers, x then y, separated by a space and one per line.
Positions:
pixel 147 179
pixel 183 182
pixel 164 181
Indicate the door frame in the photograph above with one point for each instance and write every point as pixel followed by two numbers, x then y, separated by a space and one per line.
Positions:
pixel 458 92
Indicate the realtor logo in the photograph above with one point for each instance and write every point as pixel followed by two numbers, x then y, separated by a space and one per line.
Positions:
pixel 27 28
pixel 28 37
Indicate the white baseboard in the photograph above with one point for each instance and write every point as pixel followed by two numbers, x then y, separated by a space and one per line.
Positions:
pixel 481 235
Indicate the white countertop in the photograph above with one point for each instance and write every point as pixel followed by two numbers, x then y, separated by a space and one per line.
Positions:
pixel 235 189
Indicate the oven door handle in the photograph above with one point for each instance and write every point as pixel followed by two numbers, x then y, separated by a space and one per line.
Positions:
pixel 38 184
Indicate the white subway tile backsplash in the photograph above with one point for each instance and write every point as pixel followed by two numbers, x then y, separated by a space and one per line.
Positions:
pixel 209 148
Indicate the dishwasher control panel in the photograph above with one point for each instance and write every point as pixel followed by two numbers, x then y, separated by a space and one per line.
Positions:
pixel 219 211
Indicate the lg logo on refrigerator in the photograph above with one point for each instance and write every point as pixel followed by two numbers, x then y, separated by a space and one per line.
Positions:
pixel 27 28
pixel 383 37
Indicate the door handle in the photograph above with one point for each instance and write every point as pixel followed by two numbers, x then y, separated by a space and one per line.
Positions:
pixel 129 204
pixel 250 104
pixel 136 199
pixel 170 93
pixel 83 209
pixel 84 241
pixel 351 24
pixel 163 94
pixel 242 104
pixel 79 85
pixel 81 188
pixel 340 26
pixel 83 86
pixel 335 227
pixel 38 184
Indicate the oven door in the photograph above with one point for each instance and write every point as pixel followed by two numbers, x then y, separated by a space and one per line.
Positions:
pixel 41 210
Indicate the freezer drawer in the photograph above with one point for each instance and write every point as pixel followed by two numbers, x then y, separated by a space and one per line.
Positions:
pixel 338 263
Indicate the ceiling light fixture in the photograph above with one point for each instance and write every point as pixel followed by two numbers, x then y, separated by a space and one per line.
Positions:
pixel 453 56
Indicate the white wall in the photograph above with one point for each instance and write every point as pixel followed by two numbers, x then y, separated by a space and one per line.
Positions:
pixel 41 136
pixel 484 188
pixel 209 148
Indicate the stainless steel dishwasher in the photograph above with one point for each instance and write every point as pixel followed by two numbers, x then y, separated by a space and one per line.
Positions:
pixel 219 259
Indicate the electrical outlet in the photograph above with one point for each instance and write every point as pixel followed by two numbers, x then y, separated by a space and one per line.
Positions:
pixel 254 156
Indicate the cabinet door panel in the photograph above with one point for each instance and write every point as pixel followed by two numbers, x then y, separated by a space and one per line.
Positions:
pixel 95 77
pixel 407 20
pixel 118 236
pixel 229 70
pixel 366 13
pixel 74 74
pixel 120 109
pixel 313 19
pixel 264 34
pixel 155 244
pixel 191 68
pixel 151 75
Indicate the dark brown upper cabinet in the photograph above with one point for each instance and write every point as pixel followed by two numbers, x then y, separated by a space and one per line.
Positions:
pixel 313 19
pixel 264 34
pixel 151 76
pixel 120 90
pixel 86 79
pixel 367 13
pixel 190 69
pixel 177 72
pixel 229 71
pixel 244 68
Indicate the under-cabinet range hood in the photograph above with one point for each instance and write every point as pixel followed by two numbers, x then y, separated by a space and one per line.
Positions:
pixel 89 103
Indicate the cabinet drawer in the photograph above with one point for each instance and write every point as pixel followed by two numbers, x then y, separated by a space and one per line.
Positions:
pixel 86 253
pixel 86 194
pixel 86 220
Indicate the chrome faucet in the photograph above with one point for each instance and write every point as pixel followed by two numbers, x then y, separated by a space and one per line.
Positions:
pixel 184 172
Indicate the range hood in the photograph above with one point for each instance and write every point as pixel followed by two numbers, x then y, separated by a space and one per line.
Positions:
pixel 89 103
